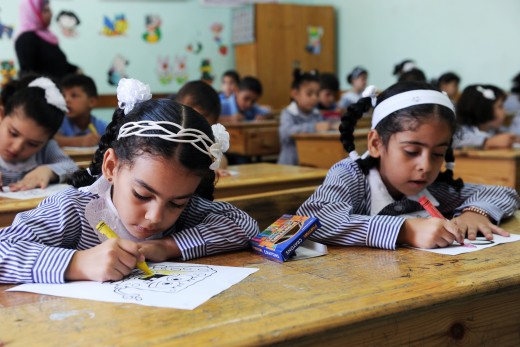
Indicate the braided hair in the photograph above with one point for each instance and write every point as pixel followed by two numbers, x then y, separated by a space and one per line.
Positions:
pixel 129 148
pixel 408 118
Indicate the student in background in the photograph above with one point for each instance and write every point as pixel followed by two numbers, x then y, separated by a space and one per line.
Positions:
pixel 144 183
pixel 301 116
pixel 512 103
pixel 80 128
pixel 201 97
pixel 449 83
pixel 412 75
pixel 481 114
pixel 229 86
pixel 404 66
pixel 358 80
pixel 362 199
pixel 32 112
pixel 328 94
pixel 242 105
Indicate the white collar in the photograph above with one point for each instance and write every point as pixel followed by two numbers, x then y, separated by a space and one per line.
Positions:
pixel 21 166
pixel 380 197
pixel 294 110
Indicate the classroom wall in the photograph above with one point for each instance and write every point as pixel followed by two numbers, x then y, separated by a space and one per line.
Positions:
pixel 184 23
pixel 476 39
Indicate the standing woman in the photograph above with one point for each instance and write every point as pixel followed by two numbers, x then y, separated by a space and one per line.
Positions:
pixel 36 46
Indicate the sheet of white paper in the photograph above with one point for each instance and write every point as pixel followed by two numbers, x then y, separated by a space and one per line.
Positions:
pixel 309 249
pixel 33 193
pixel 174 285
pixel 472 246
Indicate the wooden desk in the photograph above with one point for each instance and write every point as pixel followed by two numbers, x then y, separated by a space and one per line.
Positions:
pixel 496 167
pixel 266 177
pixel 80 155
pixel 254 138
pixel 250 179
pixel 353 296
pixel 322 150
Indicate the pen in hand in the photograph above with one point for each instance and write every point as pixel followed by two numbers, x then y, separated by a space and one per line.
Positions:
pixel 104 229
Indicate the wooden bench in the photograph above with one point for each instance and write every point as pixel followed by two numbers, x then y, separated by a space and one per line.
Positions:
pixel 265 208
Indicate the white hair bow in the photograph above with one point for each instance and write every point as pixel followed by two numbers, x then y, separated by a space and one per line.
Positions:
pixel 370 91
pixel 487 93
pixel 52 93
pixel 131 92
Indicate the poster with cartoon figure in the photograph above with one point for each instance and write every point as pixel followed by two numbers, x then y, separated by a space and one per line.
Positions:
pixel 115 27
pixel 216 29
pixel 6 30
pixel 180 71
pixel 206 71
pixel 117 70
pixel 164 69
pixel 153 29
pixel 68 22
pixel 314 35
pixel 7 72
pixel 173 285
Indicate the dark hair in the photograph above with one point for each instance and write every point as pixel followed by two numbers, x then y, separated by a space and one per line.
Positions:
pixel 233 74
pixel 34 104
pixel 13 86
pixel 355 73
pixel 129 148
pixel 398 68
pixel 202 96
pixel 300 78
pixel 473 108
pixel 412 75
pixel 516 84
pixel 408 118
pixel 329 81
pixel 86 83
pixel 67 14
pixel 252 84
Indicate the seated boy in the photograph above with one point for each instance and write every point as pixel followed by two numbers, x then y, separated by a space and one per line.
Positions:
pixel 242 105
pixel 328 94
pixel 79 128
pixel 201 97
pixel 229 86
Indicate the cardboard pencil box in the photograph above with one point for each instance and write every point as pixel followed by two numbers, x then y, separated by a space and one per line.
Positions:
pixel 281 240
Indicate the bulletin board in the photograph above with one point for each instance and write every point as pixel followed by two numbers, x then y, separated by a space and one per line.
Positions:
pixel 162 43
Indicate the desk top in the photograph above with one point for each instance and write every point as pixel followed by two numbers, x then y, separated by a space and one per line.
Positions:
pixel 329 135
pixel 488 153
pixel 252 124
pixel 282 302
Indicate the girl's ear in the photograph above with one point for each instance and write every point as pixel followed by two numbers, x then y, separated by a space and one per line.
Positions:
pixel 294 93
pixel 375 144
pixel 2 112
pixel 109 166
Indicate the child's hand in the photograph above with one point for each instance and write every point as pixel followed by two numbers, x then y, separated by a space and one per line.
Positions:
pixel 110 261
pixel 160 250
pixel 223 173
pixel 322 126
pixel 90 139
pixel 505 140
pixel 37 178
pixel 470 223
pixel 429 233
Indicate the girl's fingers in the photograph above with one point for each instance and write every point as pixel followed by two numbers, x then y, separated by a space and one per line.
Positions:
pixel 472 232
pixel 455 231
pixel 498 230
pixel 486 231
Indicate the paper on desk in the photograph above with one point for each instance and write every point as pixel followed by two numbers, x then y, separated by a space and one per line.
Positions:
pixel 33 193
pixel 80 149
pixel 174 285
pixel 309 249
pixel 479 243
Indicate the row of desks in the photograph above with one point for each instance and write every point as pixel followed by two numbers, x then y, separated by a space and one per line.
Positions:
pixel 246 179
pixel 352 296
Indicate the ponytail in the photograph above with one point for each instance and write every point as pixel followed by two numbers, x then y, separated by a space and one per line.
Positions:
pixel 86 177
pixel 447 175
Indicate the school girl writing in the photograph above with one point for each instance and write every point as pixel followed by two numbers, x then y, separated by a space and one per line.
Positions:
pixel 151 181
pixel 301 116
pixel 362 199
pixel 33 110
pixel 481 114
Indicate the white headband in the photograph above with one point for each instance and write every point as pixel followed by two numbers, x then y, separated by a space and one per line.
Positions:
pixel 53 95
pixel 407 99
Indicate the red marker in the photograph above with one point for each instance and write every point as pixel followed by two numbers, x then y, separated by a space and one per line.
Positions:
pixel 428 206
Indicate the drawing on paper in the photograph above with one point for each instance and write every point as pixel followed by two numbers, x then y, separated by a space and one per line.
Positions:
pixel 167 279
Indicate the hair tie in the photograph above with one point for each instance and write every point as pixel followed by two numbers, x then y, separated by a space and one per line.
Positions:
pixel 131 92
pixel 487 93
pixel 450 166
pixel 354 155
pixel 409 66
pixel 370 91
pixel 53 95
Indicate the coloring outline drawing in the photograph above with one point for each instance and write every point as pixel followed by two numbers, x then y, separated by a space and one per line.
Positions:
pixel 167 279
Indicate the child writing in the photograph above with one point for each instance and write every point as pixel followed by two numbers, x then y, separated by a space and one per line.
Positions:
pixel 201 97
pixel 480 112
pixel 362 199
pixel 242 105
pixel 449 83
pixel 80 128
pixel 229 86
pixel 327 96
pixel 151 181
pixel 32 112
pixel 301 116
pixel 358 80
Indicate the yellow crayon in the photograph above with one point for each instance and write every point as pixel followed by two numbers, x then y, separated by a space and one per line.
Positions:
pixel 104 229
pixel 92 128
